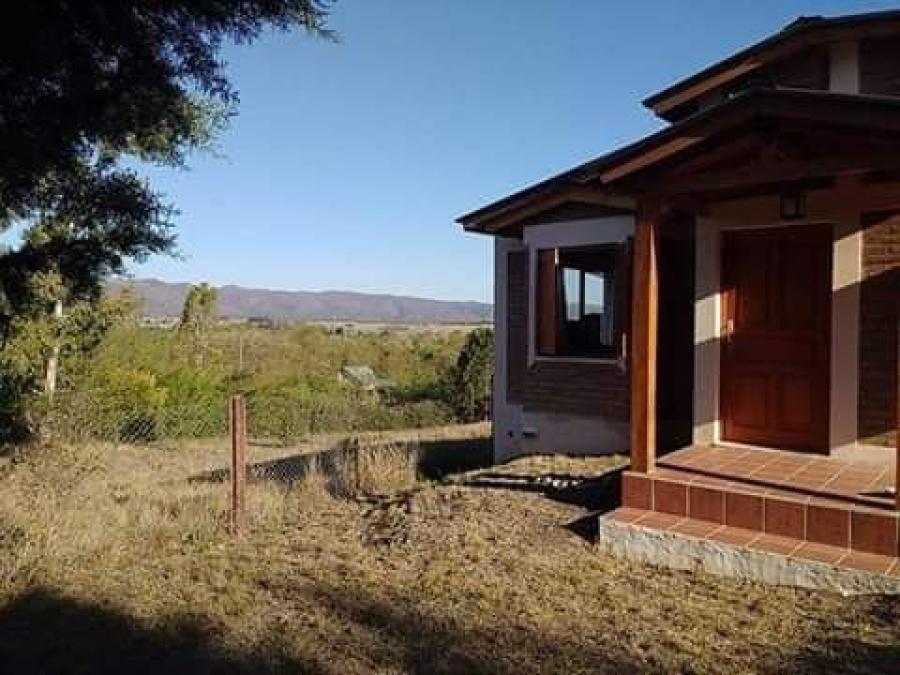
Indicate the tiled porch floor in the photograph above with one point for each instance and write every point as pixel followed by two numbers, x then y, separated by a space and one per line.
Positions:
pixel 861 482
pixel 840 557
pixel 788 500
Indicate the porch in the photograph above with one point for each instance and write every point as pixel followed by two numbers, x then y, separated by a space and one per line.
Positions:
pixel 785 294
pixel 774 500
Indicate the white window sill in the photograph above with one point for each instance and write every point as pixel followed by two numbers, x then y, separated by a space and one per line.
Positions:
pixel 596 360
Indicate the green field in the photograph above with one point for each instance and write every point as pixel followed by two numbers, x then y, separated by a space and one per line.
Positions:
pixel 146 383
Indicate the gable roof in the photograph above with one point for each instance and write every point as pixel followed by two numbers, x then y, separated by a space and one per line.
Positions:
pixel 602 172
pixel 580 184
pixel 801 33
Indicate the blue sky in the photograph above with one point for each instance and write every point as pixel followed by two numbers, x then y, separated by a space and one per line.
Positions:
pixel 348 162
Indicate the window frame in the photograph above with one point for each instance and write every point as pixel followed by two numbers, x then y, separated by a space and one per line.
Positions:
pixel 618 355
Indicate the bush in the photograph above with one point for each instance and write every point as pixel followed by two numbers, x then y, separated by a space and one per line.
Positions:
pixel 471 377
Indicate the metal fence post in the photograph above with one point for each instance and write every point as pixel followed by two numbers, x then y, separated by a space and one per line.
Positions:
pixel 237 418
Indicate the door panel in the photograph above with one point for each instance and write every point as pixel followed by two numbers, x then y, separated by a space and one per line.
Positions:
pixel 776 291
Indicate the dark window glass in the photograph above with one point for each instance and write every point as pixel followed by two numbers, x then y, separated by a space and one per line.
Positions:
pixel 577 301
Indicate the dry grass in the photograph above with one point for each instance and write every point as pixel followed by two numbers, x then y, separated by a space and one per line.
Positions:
pixel 111 561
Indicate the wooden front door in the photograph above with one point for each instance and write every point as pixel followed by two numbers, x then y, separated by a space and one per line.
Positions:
pixel 776 303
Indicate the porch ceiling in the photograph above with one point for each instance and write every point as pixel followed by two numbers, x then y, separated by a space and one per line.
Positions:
pixel 762 137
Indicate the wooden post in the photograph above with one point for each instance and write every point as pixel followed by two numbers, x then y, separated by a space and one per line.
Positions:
pixel 237 417
pixel 644 308
pixel 897 470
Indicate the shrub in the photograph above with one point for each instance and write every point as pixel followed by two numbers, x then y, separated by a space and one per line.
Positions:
pixel 129 404
pixel 470 378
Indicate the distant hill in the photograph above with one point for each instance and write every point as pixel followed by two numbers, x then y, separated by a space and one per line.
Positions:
pixel 161 299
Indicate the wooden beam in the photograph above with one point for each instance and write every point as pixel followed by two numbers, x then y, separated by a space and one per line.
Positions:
pixel 579 195
pixel 644 308
pixel 776 172
pixel 649 157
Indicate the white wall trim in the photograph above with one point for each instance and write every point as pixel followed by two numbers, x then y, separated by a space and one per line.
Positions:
pixel 846 277
pixel 844 67
pixel 507 417
pixel 707 325
pixel 588 232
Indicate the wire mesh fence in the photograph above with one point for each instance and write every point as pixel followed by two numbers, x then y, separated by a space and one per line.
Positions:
pixel 192 466
pixel 101 415
pixel 98 416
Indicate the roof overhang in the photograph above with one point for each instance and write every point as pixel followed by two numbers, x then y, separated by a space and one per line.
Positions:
pixel 503 216
pixel 762 112
pixel 618 179
pixel 799 35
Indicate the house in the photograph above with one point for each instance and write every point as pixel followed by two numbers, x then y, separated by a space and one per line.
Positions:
pixel 728 283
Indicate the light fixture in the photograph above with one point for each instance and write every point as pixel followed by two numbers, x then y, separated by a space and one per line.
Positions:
pixel 793 206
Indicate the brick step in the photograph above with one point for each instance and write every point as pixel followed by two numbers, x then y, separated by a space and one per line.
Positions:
pixel 841 557
pixel 776 511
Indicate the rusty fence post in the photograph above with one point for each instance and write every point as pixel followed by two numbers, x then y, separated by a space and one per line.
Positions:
pixel 237 417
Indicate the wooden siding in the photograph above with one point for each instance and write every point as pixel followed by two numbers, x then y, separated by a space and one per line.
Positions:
pixel 879 67
pixel 581 388
pixel 806 70
pixel 878 329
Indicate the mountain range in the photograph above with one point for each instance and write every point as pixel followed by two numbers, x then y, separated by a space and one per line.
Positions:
pixel 165 299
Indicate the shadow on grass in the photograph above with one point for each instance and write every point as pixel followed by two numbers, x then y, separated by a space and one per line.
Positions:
pixel 598 494
pixel 415 640
pixel 44 632
pixel 836 653
pixel 434 460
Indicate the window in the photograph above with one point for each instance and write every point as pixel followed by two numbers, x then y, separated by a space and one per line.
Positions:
pixel 580 300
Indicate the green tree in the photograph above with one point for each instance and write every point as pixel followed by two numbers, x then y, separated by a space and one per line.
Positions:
pixel 36 340
pixel 90 88
pixel 470 378
pixel 200 310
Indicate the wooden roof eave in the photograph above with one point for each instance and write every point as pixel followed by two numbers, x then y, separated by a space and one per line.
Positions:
pixel 604 180
pixel 791 40
pixel 865 113
pixel 549 200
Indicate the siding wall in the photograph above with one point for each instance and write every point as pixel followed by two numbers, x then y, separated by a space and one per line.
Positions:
pixel 878 343
pixel 577 388
pixel 879 67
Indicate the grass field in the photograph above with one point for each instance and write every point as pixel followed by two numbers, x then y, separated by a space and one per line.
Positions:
pixel 113 561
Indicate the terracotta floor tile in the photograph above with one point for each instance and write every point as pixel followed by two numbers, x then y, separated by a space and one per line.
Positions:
pixel 785 517
pixel 809 483
pixel 694 528
pixel 867 562
pixel 658 521
pixel 815 473
pixel 624 514
pixel 670 496
pixel 820 552
pixel 710 481
pixel 637 491
pixel 748 488
pixel 673 474
pixel 828 525
pixel 733 536
pixel 771 543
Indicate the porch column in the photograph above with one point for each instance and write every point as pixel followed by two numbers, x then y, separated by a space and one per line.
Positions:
pixel 644 306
